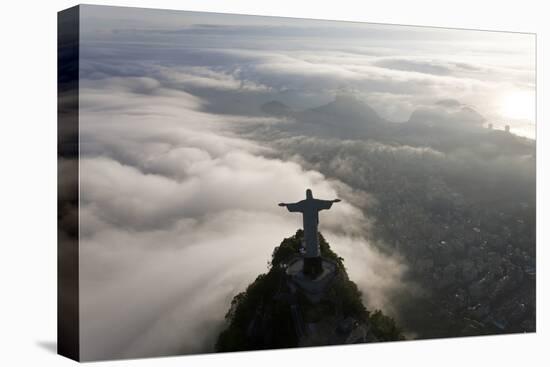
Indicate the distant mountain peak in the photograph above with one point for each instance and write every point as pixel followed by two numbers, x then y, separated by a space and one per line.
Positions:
pixel 347 98
pixel 447 112
pixel 448 103
pixel 351 108
pixel 276 108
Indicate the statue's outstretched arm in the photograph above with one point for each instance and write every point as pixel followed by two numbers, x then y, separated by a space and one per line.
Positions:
pixel 326 204
pixel 293 207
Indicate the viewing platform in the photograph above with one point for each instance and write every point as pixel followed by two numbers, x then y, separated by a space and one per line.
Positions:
pixel 312 287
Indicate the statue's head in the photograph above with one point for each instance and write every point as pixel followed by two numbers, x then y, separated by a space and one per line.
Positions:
pixel 309 195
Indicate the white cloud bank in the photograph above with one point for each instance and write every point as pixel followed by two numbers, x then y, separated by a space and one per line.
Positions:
pixel 178 215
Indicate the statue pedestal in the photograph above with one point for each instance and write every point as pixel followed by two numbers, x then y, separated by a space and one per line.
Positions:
pixel 313 287
pixel 313 266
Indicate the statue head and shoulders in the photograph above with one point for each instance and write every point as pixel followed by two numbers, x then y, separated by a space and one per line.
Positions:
pixel 309 203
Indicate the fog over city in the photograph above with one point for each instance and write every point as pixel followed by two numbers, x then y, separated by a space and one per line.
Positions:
pixel 193 126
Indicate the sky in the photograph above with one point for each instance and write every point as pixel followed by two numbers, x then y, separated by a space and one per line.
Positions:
pixel 395 68
pixel 179 208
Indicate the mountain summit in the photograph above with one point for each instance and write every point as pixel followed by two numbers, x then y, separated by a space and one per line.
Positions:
pixel 448 113
pixel 350 108
pixel 346 116
pixel 276 108
pixel 284 309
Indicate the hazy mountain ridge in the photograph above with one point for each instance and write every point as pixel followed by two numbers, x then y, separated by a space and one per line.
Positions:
pixel 447 125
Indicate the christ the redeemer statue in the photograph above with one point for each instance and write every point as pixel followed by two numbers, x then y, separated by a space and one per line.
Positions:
pixel 310 208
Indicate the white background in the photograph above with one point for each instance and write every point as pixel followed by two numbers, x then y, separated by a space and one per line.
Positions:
pixel 28 183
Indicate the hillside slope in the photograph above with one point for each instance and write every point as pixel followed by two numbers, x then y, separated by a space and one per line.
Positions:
pixel 272 314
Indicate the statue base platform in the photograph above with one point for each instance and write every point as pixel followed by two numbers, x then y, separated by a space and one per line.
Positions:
pixel 312 284
pixel 313 266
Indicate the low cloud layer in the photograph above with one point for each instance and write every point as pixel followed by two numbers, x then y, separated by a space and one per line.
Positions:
pixel 178 215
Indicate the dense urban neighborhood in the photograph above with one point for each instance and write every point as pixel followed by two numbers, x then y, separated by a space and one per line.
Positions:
pixel 456 202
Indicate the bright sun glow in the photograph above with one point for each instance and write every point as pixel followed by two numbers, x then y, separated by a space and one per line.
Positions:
pixel 518 105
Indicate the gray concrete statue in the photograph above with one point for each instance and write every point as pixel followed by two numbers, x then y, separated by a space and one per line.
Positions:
pixel 310 208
